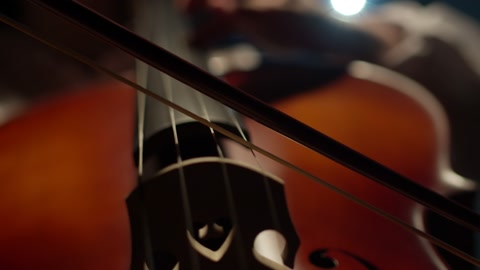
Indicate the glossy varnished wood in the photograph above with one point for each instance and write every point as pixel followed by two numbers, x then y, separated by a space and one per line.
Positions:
pixel 397 124
pixel 66 169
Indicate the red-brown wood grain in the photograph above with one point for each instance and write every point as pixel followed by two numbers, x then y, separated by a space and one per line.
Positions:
pixel 66 168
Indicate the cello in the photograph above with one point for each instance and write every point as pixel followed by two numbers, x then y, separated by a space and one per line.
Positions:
pixel 355 262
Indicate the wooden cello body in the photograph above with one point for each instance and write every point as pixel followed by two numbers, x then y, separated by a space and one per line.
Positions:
pixel 67 169
pixel 389 118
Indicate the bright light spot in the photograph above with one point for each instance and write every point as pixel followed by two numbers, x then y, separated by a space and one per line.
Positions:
pixel 348 7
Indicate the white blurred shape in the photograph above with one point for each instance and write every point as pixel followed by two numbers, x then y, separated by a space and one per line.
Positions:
pixel 242 57
pixel 218 65
pixel 348 7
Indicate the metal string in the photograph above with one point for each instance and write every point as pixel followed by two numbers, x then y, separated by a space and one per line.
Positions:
pixel 148 8
pixel 228 190
pixel 241 256
pixel 266 182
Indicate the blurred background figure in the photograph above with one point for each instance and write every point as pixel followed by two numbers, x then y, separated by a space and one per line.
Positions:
pixel 308 43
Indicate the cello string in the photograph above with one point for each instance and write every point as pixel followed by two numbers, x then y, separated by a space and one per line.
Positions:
pixel 183 182
pixel 271 202
pixel 184 50
pixel 141 107
pixel 461 254
pixel 149 9
pixel 142 79
pixel 228 189
pixel 142 71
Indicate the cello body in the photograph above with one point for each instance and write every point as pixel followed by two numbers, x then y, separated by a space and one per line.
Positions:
pixel 392 120
pixel 67 169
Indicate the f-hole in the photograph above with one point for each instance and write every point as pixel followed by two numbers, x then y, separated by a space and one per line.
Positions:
pixel 319 259
pixel 332 258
